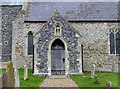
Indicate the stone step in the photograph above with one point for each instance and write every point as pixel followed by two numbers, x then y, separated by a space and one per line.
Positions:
pixel 58 76
pixel 58 72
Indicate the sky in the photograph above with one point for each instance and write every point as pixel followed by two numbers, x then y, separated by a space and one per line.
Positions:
pixel 12 2
pixel 20 2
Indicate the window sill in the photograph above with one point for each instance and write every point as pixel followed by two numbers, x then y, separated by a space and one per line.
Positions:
pixel 31 56
pixel 114 54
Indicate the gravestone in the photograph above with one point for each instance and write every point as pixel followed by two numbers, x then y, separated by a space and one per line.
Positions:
pixel 16 73
pixel 108 85
pixel 8 77
pixel 93 71
pixel 25 72
pixel 1 83
pixel 97 81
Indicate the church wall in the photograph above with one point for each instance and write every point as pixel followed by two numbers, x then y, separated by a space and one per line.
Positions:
pixel 20 30
pixel 8 14
pixel 94 38
pixel 95 41
pixel 68 34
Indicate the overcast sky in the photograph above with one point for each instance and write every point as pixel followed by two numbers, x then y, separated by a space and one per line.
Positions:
pixel 19 2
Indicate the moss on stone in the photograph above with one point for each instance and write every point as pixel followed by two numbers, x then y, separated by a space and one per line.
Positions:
pixel 9 64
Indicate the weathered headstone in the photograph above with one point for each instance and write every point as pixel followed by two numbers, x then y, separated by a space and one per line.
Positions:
pixel 1 82
pixel 16 73
pixel 93 71
pixel 108 85
pixel 97 81
pixel 8 77
pixel 25 72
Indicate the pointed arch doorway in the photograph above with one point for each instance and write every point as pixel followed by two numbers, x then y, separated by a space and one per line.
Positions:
pixel 58 58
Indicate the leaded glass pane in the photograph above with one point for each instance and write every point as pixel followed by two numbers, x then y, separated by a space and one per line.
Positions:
pixel 117 43
pixel 112 44
pixel 30 43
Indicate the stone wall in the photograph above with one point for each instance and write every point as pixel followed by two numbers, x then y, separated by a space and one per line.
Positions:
pixel 20 30
pixel 95 41
pixel 94 38
pixel 9 13
pixel 47 33
pixel 40 32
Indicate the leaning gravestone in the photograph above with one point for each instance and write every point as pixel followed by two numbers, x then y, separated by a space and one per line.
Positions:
pixel 108 85
pixel 16 73
pixel 93 71
pixel 8 77
pixel 25 72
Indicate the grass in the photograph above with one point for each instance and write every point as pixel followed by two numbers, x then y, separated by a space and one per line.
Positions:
pixel 86 81
pixel 2 71
pixel 83 81
pixel 119 80
pixel 32 81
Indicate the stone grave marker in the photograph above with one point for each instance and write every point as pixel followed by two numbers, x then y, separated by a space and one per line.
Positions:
pixel 93 71
pixel 25 72
pixel 108 85
pixel 97 81
pixel 8 77
pixel 16 73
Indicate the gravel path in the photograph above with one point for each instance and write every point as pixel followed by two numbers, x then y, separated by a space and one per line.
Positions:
pixel 58 82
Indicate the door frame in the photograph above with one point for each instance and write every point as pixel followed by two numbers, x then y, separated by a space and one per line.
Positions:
pixel 57 62
pixel 66 55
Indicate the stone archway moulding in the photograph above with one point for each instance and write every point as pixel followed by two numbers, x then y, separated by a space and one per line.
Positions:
pixel 66 55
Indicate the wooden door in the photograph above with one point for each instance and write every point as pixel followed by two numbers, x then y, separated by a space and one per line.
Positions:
pixel 58 58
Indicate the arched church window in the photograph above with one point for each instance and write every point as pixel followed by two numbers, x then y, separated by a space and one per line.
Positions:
pixel 117 43
pixel 112 44
pixel 30 43
pixel 57 29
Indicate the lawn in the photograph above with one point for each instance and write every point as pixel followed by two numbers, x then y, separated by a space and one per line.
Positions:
pixel 83 81
pixel 86 82
pixel 32 81
pixel 2 70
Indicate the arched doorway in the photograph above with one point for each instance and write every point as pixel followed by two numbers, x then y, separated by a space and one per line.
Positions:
pixel 57 58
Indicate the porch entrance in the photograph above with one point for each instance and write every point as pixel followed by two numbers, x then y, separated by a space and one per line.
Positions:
pixel 58 58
